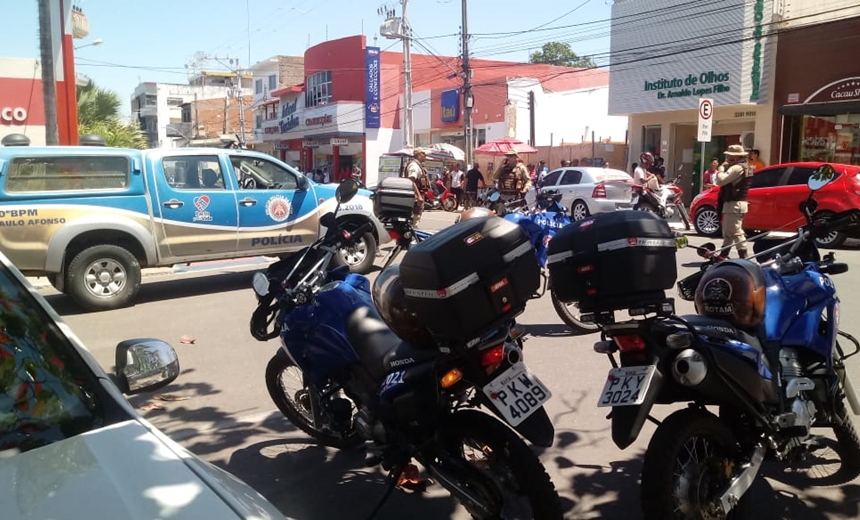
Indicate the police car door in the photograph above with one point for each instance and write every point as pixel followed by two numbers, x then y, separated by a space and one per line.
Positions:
pixel 277 207
pixel 197 205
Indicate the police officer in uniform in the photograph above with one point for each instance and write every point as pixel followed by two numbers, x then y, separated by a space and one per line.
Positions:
pixel 512 174
pixel 733 178
pixel 416 172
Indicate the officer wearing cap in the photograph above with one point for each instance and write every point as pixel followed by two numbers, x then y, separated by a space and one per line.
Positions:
pixel 733 178
pixel 512 167
pixel 415 171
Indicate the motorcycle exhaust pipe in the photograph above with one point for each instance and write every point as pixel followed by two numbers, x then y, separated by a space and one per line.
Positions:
pixel 740 484
pixel 472 501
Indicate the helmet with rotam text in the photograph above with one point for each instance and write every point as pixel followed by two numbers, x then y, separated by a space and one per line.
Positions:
pixel 734 291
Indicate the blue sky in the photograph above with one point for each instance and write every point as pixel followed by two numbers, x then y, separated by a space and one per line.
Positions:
pixel 154 40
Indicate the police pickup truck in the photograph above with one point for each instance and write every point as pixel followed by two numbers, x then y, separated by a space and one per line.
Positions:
pixel 89 218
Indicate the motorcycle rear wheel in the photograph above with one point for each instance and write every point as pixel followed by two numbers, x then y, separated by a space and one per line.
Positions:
pixel 689 453
pixel 685 217
pixel 298 404
pixel 499 453
pixel 567 313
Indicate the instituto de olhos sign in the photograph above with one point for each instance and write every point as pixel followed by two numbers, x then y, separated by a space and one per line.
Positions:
pixel 705 83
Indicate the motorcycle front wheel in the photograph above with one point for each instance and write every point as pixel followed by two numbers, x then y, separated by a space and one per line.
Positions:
pixel 687 463
pixel 489 446
pixel 568 312
pixel 299 402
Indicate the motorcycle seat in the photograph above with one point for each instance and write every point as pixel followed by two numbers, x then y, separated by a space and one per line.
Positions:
pixel 722 329
pixel 378 346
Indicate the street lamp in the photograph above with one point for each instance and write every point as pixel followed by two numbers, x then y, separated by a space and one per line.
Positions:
pixel 97 41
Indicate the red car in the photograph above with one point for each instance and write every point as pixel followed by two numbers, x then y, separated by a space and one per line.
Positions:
pixel 774 198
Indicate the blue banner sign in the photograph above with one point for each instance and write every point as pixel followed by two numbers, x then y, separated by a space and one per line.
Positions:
pixel 372 103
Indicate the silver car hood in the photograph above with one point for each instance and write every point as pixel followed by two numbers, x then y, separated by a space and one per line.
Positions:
pixel 121 471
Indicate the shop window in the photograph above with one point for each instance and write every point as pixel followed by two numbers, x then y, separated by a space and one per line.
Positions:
pixel 651 136
pixel 831 139
pixel 318 89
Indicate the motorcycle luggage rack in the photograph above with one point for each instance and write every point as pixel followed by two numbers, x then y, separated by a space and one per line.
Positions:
pixel 661 309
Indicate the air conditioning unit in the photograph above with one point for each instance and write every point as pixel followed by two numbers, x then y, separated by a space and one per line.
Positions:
pixel 748 140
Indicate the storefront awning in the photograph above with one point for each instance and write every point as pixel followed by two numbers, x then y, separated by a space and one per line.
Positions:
pixel 821 109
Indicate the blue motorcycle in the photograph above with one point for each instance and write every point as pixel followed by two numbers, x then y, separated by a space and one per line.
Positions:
pixel 541 223
pixel 344 377
pixel 765 349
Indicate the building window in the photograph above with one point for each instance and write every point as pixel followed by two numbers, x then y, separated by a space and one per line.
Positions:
pixel 318 89
pixel 258 86
pixel 151 100
pixel 831 138
pixel 271 111
pixel 258 120
pixel 651 139
pixel 273 82
pixel 186 114
pixel 174 102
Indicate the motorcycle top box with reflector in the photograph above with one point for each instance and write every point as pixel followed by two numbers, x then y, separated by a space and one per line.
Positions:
pixel 613 261
pixel 470 277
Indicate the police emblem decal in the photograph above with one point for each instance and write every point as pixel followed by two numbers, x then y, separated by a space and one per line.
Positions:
pixel 278 208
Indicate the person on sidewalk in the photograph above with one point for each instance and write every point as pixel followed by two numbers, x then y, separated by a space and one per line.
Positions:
pixel 734 182
pixel 416 172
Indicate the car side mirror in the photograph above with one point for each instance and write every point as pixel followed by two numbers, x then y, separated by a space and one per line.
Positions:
pixel 145 365
pixel 303 183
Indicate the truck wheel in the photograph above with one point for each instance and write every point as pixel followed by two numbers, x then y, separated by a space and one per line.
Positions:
pixel 359 257
pixel 103 277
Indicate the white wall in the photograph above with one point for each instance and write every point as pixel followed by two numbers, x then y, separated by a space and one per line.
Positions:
pixel 421 106
pixel 379 141
pixel 799 13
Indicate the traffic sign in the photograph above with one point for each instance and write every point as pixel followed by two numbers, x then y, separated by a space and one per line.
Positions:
pixel 706 119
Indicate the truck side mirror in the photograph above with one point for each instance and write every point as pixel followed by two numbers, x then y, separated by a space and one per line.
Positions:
pixel 303 183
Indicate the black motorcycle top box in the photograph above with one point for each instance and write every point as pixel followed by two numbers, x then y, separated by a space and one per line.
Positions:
pixel 395 197
pixel 470 277
pixel 613 261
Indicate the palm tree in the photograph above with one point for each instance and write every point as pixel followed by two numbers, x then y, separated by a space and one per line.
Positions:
pixel 98 113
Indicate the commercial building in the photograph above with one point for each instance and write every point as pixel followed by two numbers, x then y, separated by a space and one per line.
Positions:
pixel 666 57
pixel 349 109
pixel 269 76
pixel 817 91
pixel 158 106
pixel 22 109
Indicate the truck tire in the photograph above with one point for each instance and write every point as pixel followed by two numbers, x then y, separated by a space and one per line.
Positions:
pixel 103 277
pixel 359 257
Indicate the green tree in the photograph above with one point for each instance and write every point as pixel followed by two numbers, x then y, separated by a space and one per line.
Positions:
pixel 98 113
pixel 557 53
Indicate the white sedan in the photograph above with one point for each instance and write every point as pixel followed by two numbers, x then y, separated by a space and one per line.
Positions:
pixel 72 447
pixel 587 190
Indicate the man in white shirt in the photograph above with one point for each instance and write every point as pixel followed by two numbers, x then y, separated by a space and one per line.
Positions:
pixel 457 178
pixel 642 177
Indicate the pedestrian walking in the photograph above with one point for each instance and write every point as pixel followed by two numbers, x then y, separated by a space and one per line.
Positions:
pixel 474 177
pixel 457 178
pixel 734 182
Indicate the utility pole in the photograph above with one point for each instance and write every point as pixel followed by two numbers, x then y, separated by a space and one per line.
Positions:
pixel 531 117
pixel 467 90
pixel 408 131
pixel 237 90
pixel 49 82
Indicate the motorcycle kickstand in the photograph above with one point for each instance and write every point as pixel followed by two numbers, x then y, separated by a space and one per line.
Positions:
pixel 393 477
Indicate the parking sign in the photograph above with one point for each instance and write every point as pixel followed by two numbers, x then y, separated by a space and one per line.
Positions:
pixel 706 119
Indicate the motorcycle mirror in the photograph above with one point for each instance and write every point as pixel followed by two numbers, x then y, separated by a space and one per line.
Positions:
pixel 822 177
pixel 346 190
pixel 328 220
pixel 706 249
pixel 681 241
pixel 261 284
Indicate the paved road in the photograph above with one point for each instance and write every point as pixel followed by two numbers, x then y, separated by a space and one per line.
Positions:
pixel 219 407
